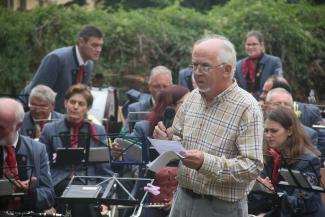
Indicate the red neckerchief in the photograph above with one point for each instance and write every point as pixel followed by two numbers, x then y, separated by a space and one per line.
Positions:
pixel 76 130
pixel 249 68
pixel 11 170
pixel 276 164
pixel 41 125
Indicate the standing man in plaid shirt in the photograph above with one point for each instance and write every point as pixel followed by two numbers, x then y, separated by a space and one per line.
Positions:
pixel 221 126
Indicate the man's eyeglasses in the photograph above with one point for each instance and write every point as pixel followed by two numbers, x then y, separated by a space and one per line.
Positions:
pixel 158 86
pixel 39 107
pixel 204 68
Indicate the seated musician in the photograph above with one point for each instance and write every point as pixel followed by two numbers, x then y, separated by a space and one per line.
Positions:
pixel 288 146
pixel 72 132
pixel 308 114
pixel 41 103
pixel 25 162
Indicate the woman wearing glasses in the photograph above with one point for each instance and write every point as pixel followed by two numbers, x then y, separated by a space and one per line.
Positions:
pixel 252 71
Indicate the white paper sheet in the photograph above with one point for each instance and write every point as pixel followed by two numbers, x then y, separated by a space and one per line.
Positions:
pixel 166 145
pixel 168 150
pixel 161 161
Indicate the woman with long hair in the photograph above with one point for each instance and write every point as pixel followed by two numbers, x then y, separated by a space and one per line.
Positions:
pixel 288 147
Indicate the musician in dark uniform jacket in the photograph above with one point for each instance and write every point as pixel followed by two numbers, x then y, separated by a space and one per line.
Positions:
pixel 287 146
pixel 41 103
pixel 252 71
pixel 25 161
pixel 72 132
pixel 160 78
pixel 66 66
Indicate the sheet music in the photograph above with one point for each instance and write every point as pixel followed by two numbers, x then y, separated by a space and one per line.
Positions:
pixel 162 161
pixel 167 145
pixel 168 150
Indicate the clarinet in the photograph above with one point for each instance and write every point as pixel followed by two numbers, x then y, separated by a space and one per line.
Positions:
pixel 13 213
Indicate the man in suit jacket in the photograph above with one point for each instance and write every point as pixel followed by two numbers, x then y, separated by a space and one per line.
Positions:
pixel 41 103
pixel 160 77
pixel 309 115
pixel 31 160
pixel 185 78
pixel 66 66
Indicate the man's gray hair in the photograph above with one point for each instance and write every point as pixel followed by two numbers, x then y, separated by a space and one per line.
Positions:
pixel 161 70
pixel 42 92
pixel 278 90
pixel 227 53
pixel 20 113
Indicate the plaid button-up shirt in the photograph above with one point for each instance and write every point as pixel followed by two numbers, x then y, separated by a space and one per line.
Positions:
pixel 230 133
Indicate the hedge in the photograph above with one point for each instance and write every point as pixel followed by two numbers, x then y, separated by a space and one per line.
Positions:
pixel 137 40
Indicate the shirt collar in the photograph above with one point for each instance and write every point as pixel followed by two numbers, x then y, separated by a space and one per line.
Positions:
pixel 223 95
pixel 79 58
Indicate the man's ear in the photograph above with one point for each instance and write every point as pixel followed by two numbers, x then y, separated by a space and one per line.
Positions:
pixel 19 125
pixel 52 106
pixel 81 41
pixel 228 69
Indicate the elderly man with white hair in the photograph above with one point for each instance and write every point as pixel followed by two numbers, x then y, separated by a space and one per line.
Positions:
pixel 23 160
pixel 160 78
pixel 221 127
pixel 41 103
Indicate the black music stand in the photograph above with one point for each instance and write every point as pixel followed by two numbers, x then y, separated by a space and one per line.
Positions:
pixel 298 179
pixel 294 178
pixel 8 185
pixel 83 155
pixel 69 156
pixel 102 193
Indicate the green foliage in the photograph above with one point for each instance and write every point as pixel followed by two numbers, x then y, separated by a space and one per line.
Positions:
pixel 202 5
pixel 137 40
pixel 294 32
pixel 136 4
